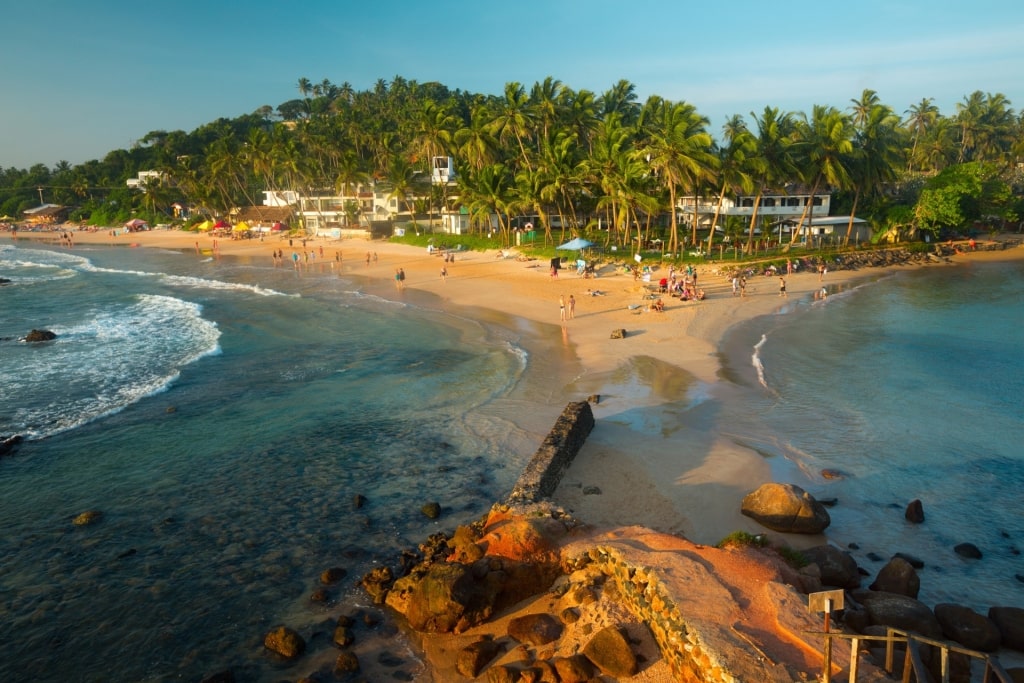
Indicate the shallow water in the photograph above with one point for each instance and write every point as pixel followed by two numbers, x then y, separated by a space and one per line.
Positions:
pixel 222 415
pixel 909 385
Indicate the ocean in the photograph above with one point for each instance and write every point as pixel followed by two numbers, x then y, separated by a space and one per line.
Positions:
pixel 908 385
pixel 223 415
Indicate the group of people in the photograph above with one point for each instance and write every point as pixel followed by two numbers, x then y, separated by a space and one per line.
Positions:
pixel 567 308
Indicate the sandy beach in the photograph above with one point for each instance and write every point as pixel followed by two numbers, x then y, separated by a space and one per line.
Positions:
pixel 653 478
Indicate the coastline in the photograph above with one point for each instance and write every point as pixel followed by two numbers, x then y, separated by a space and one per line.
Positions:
pixel 651 474
pixel 692 488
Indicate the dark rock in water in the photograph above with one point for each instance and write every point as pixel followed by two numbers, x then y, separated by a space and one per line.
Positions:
pixel 833 474
pixel 7 445
pixel 333 575
pixel 897 576
pixel 1010 622
pixel 320 596
pixel 343 636
pixel 915 512
pixel 358 501
pixel 786 508
pixel 389 659
pixel 591 491
pixel 40 336
pixel 1019 577
pixel 346 663
pixel 86 518
pixel 220 677
pixel 594 398
pixel 171 409
pixel 377 583
pixel 968 550
pixel 916 563
pixel 432 510
pixel 284 642
pixel 829 502
pixel 4 281
pixel 853 546
pixel 972 630
pixel 127 553
pixel 874 557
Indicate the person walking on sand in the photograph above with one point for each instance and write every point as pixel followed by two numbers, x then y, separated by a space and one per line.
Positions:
pixel 743 286
pixel 368 255
pixel 561 307
pixel 444 272
pixel 572 307
pixel 401 277
pixel 782 287
pixel 735 285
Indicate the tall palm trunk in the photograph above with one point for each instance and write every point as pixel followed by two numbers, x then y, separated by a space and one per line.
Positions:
pixel 753 220
pixel 808 212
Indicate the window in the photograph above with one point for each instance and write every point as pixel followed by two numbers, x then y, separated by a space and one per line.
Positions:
pixel 769 201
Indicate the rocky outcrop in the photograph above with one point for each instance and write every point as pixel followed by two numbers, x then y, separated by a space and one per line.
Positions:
pixel 898 611
pixel 610 652
pixel 8 445
pixel 535 629
pixel 472 659
pixel 1010 622
pixel 898 576
pixel 965 626
pixel 837 567
pixel 40 336
pixel 544 471
pixel 786 508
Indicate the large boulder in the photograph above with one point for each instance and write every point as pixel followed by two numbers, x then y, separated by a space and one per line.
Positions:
pixel 1010 622
pixel 898 576
pixel 535 629
pixel 965 626
pixel 837 567
pixel 898 611
pixel 441 599
pixel 610 652
pixel 915 512
pixel 786 508
pixel 472 659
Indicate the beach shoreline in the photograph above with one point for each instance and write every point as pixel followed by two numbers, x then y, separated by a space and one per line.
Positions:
pixel 668 475
pixel 665 357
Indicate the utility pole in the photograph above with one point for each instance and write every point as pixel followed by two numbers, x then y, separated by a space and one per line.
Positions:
pixel 40 188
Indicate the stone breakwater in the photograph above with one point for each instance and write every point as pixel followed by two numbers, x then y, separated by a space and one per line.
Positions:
pixel 547 466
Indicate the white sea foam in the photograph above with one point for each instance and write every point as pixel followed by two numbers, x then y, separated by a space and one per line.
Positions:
pixel 755 360
pixel 119 356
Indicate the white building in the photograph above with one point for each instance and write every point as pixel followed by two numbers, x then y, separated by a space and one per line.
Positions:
pixel 143 177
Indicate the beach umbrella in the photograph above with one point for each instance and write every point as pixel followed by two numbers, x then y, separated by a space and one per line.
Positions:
pixel 277 226
pixel 221 224
pixel 205 226
pixel 241 226
pixel 576 244
pixel 135 223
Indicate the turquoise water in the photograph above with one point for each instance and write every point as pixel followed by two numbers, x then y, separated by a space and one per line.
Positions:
pixel 910 385
pixel 222 415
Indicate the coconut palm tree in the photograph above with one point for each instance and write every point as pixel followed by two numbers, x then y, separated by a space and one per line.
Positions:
pixel 513 119
pixel 734 167
pixel 773 163
pixel 920 118
pixel 823 145
pixel 474 142
pixel 876 156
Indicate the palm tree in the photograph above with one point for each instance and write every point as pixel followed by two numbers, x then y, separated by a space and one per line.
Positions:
pixel 920 117
pixel 621 99
pixel 863 106
pixel 488 191
pixel 678 151
pixel 824 143
pixel 772 163
pixel 876 156
pixel 513 119
pixel 734 164
pixel 545 100
pixel 474 142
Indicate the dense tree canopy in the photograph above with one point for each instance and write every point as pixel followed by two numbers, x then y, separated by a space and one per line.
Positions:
pixel 551 151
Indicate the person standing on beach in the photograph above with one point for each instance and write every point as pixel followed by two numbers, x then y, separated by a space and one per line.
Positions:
pixel 782 287
pixel 401 277
pixel 561 307
pixel 572 307
pixel 295 259
pixel 743 286
pixel 367 259
pixel 735 285
pixel 398 279
pixel 444 272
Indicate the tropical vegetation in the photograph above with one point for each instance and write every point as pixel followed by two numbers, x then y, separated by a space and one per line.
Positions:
pixel 588 159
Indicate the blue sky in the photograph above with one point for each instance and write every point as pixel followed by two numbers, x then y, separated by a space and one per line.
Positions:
pixel 82 78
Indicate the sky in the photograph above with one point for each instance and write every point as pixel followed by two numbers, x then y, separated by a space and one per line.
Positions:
pixel 79 79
